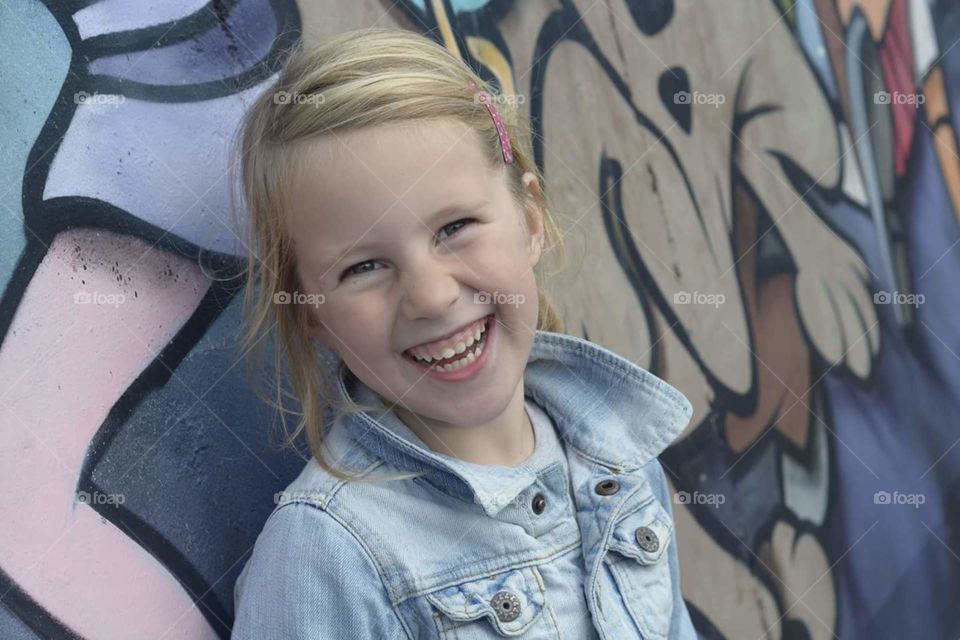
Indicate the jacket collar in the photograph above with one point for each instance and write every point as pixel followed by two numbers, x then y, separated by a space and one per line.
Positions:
pixel 606 408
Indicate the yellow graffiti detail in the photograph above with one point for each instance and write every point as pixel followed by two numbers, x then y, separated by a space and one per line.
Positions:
pixel 493 59
pixel 446 29
pixel 787 7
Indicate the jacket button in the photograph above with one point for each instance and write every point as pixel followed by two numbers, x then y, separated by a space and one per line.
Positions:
pixel 647 539
pixel 539 503
pixel 607 487
pixel 506 605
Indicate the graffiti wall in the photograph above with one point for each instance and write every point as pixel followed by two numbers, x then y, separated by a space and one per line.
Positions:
pixel 760 201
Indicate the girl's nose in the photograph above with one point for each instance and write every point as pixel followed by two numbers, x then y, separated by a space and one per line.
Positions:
pixel 429 289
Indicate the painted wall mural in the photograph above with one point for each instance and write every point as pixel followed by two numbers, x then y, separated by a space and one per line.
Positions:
pixel 761 205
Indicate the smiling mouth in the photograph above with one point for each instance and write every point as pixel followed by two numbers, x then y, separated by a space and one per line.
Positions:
pixel 457 357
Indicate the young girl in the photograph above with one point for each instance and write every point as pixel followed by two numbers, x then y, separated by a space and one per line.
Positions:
pixel 474 472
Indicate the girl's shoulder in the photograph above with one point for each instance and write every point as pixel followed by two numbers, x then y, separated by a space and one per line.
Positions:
pixel 306 568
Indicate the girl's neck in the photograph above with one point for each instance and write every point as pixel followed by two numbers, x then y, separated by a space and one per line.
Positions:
pixel 507 441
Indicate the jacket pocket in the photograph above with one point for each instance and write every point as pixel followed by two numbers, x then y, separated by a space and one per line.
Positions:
pixel 638 560
pixel 511 603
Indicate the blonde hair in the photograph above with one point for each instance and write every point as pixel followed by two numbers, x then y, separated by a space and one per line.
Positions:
pixel 353 80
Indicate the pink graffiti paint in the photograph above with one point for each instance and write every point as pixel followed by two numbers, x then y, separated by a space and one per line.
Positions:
pixel 68 359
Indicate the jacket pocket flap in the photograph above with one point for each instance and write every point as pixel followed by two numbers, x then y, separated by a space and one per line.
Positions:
pixel 512 600
pixel 643 534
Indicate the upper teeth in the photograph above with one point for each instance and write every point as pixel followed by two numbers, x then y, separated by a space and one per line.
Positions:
pixel 457 344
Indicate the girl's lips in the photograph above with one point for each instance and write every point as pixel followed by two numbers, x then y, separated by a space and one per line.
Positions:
pixel 449 335
pixel 468 371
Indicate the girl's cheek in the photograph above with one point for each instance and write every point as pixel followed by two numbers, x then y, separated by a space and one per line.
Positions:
pixel 500 254
pixel 350 313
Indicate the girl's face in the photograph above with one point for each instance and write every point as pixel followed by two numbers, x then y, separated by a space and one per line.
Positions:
pixel 409 235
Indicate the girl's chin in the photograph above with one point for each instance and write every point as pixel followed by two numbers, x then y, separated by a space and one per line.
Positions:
pixel 475 412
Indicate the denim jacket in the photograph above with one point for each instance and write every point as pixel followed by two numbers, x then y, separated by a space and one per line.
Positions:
pixel 460 553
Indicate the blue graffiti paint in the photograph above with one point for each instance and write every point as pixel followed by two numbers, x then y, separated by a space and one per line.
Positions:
pixel 34 61
pixel 459 6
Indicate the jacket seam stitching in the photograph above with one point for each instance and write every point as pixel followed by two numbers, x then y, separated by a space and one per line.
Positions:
pixel 530 562
pixel 616 364
pixel 610 361
pixel 327 494
pixel 373 559
pixel 546 600
pixel 659 441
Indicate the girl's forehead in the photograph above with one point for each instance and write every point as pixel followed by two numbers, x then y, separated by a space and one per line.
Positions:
pixel 417 167
pixel 405 141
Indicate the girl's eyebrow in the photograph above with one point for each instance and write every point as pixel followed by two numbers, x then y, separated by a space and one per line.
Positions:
pixel 328 260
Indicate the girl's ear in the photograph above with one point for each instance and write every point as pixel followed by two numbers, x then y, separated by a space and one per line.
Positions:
pixel 534 215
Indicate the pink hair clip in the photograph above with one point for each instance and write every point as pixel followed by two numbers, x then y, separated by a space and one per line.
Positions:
pixel 498 121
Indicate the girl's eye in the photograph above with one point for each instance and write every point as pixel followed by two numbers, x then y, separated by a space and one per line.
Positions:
pixel 357 269
pixel 462 222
